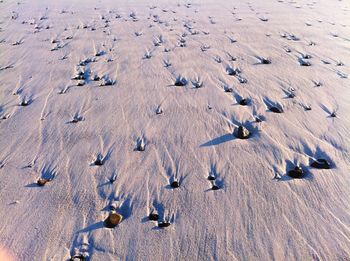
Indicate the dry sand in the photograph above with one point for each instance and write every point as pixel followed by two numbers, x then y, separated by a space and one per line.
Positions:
pixel 158 94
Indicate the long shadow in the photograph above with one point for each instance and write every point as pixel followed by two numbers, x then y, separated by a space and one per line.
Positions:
pixel 325 109
pixel 218 140
pixel 126 208
pixel 32 185
pixel 92 227
pixel 323 155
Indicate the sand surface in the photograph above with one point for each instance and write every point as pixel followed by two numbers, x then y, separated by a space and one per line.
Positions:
pixel 54 127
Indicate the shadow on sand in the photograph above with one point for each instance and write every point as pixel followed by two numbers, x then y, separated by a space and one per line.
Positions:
pixel 218 140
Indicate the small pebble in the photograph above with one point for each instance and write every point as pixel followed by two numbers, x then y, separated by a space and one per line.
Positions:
pixel 164 224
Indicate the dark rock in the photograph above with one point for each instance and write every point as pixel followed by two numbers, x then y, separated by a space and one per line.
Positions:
pixel 81 83
pixel 232 72
pixel 107 82
pixel 215 187
pixel 197 84
pixel 304 63
pixel 41 182
pixel 99 160
pixel 265 60
pixel 211 177
pixel 228 89
pixel 85 62
pixel 243 102
pixel 141 146
pixel 241 133
pixel 159 110
pixel 76 119
pixel 180 81
pixel 296 173
pixel 242 79
pixel 100 53
pixel 77 257
pixel 321 164
pixel 113 220
pixel 25 103
pixel 79 76
pixel 291 95
pixel 175 184
pixel 153 216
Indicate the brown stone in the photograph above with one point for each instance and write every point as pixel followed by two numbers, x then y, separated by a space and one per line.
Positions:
pixel 41 182
pixel 113 220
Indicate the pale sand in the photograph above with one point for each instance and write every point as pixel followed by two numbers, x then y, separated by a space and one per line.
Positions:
pixel 258 212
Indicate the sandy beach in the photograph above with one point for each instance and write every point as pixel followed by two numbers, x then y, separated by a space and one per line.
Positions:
pixel 175 130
